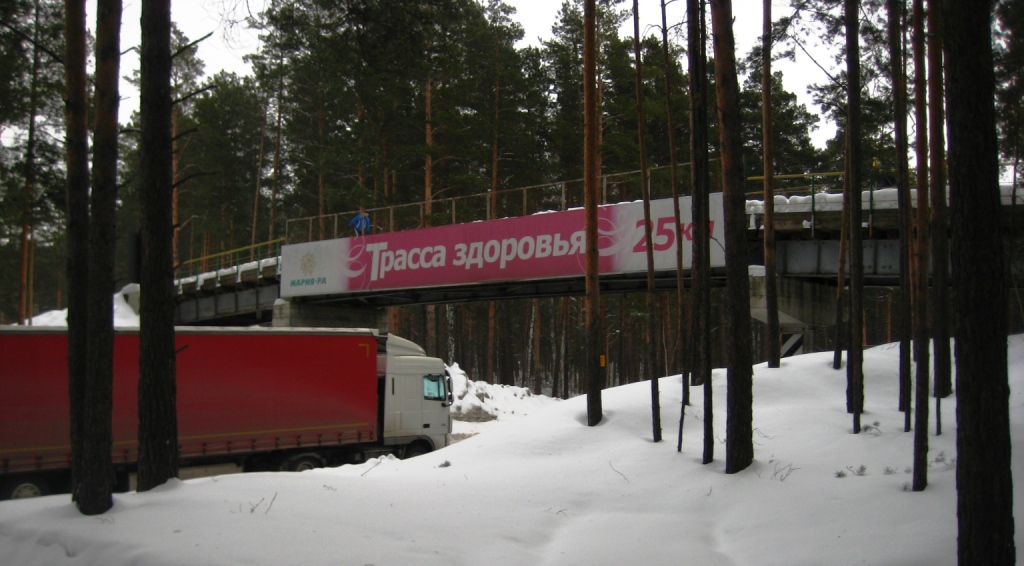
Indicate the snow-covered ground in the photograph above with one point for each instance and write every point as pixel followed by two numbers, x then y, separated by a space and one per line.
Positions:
pixel 481 406
pixel 125 316
pixel 546 489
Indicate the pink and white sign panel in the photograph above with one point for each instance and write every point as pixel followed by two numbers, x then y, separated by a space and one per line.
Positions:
pixel 541 246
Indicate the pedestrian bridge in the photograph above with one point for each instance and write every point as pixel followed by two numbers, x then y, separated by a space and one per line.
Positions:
pixel 539 255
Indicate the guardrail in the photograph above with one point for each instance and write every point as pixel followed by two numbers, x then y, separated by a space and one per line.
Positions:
pixel 503 203
pixel 230 258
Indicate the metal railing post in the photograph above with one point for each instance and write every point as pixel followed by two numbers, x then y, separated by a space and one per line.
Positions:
pixel 812 207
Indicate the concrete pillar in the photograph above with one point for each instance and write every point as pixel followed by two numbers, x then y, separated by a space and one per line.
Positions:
pixel 320 315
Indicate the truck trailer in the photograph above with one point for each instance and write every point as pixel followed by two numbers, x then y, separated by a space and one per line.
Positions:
pixel 285 399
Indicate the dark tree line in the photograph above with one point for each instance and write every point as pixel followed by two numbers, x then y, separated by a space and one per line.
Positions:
pixel 335 116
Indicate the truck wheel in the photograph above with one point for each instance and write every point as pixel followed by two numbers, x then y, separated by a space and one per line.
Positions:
pixel 416 449
pixel 302 462
pixel 25 487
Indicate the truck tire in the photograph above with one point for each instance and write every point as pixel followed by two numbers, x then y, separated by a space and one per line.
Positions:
pixel 302 462
pixel 24 487
pixel 415 449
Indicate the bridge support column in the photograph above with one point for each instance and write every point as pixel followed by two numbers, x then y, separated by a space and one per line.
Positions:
pixel 791 328
pixel 320 315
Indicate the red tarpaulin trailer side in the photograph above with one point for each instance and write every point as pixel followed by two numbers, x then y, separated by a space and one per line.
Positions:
pixel 239 391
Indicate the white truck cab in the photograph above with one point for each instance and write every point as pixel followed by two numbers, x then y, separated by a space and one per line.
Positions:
pixel 417 393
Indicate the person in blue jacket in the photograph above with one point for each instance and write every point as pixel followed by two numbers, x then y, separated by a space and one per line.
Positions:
pixel 360 223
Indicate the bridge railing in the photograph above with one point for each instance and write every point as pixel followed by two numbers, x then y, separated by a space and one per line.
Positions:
pixel 227 259
pixel 503 203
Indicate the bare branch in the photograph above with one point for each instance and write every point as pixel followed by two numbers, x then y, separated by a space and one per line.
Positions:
pixel 190 45
pixel 194 93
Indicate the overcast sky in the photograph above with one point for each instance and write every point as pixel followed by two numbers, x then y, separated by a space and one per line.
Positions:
pixel 229 43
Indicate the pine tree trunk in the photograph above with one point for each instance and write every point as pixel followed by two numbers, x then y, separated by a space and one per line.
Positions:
pixel 682 364
pixel 321 179
pixel 939 235
pixel 277 162
pixel 841 329
pixel 983 466
pixel 595 347
pixel 922 337
pixel 855 356
pixel 651 345
pixel 564 348
pixel 701 183
pixel 770 290
pixel 259 180
pixel 24 285
pixel 158 421
pixel 96 483
pixel 428 169
pixel 175 177
pixel 739 441
pixel 492 331
pixel 77 160
pixel 431 338
pixel 493 201
pixel 537 367
pixel 895 10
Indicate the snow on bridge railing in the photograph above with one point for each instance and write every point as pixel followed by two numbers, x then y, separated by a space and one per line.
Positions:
pixel 241 262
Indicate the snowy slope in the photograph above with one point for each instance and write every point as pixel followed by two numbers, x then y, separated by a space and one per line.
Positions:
pixel 546 489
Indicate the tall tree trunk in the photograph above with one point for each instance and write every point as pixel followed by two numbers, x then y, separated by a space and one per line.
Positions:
pixel 595 347
pixel 771 293
pixel 175 177
pixel 855 357
pixel 739 440
pixel 700 180
pixel 939 235
pixel 537 367
pixel 321 173
pixel 983 465
pixel 431 339
pixel 158 417
pixel 896 9
pixel 493 201
pixel 492 337
pixel 682 363
pixel 652 310
pixel 96 483
pixel 76 150
pixel 428 168
pixel 922 337
pixel 259 182
pixel 563 347
pixel 31 275
pixel 24 285
pixel 841 279
pixel 556 346
pixel 277 161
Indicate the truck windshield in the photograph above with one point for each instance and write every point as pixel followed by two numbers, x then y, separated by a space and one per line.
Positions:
pixel 433 388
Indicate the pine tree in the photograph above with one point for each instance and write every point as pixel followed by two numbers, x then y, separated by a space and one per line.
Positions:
pixel 739 441
pixel 97 470
pixel 77 159
pixel 158 422
pixel 983 467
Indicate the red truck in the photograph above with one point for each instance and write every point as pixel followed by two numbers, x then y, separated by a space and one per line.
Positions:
pixel 262 398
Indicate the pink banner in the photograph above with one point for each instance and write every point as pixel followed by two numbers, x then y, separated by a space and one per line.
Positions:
pixel 541 246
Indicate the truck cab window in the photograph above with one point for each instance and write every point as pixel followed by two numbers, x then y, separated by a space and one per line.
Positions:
pixel 433 388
